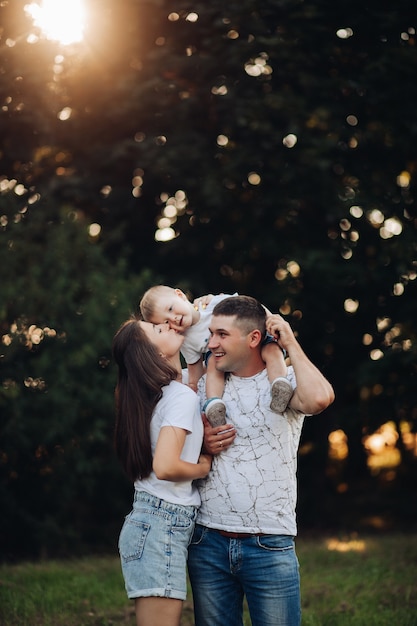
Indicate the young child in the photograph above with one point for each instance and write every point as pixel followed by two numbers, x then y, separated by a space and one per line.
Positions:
pixel 162 304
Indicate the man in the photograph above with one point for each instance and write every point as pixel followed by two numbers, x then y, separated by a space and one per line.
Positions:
pixel 243 544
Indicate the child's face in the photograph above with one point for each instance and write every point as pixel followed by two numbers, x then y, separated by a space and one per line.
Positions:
pixel 174 309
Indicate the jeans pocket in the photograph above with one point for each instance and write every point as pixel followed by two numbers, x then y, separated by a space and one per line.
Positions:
pixel 132 539
pixel 279 543
pixel 198 535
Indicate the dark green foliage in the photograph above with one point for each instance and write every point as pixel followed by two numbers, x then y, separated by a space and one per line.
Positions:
pixel 61 302
pixel 275 119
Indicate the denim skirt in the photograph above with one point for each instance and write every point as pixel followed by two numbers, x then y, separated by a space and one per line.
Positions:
pixel 153 547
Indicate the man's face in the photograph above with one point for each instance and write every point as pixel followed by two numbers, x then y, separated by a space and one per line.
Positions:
pixel 229 346
pixel 174 310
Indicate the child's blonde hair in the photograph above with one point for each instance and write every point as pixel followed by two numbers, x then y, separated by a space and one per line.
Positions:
pixel 149 299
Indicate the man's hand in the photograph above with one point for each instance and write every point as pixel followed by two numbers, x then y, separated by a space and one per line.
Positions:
pixel 219 438
pixel 281 330
pixel 313 393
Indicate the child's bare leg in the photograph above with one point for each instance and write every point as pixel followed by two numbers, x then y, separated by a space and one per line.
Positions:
pixel 214 380
pixel 274 360
pixel 214 408
pixel 281 388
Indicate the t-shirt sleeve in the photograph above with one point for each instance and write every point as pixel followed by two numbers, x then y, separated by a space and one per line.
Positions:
pixel 179 407
pixel 190 354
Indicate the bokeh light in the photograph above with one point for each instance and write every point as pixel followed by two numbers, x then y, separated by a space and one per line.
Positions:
pixel 59 20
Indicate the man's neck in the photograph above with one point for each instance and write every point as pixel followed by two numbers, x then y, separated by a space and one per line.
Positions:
pixel 251 368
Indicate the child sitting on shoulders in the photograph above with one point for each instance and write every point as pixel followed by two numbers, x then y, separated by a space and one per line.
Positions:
pixel 162 304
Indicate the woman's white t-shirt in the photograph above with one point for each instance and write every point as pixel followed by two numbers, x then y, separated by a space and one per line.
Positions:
pixel 179 407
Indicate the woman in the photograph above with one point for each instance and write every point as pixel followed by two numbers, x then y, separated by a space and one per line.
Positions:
pixel 158 438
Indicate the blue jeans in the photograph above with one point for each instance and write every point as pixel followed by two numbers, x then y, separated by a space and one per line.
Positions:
pixel 222 571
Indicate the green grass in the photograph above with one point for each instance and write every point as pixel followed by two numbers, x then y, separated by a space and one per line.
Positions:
pixel 364 582
pixel 371 581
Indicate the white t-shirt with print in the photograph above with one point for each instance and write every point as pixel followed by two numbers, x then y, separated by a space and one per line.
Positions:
pixel 179 406
pixel 251 487
pixel 197 336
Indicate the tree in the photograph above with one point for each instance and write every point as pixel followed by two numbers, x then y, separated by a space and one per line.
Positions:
pixel 274 142
pixel 61 302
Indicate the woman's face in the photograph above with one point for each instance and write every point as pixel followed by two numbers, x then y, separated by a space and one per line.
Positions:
pixel 166 339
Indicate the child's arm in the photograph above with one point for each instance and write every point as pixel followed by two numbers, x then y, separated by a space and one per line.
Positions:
pixel 195 372
pixel 167 462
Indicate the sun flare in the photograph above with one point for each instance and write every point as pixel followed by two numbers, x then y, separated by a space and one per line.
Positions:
pixel 59 20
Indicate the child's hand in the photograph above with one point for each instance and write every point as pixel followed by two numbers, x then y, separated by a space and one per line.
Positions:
pixel 203 300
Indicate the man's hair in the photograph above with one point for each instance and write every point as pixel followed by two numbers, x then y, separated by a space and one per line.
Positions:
pixel 249 313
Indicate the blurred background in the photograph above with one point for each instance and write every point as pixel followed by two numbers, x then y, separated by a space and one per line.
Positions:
pixel 267 148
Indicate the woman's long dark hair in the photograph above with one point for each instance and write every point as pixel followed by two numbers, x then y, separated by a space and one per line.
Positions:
pixel 142 373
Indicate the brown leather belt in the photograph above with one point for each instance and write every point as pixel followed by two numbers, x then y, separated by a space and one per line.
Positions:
pixel 225 533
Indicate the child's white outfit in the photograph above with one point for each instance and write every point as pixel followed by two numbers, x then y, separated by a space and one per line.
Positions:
pixel 197 336
pixel 195 345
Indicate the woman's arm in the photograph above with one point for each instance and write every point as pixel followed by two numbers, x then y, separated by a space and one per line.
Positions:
pixel 167 462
